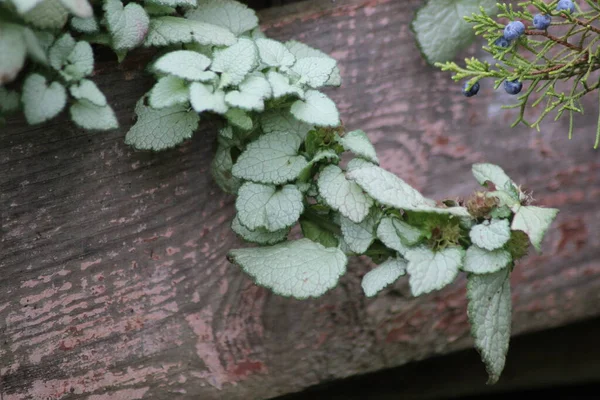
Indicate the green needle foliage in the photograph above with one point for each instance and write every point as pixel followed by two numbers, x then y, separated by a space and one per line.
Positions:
pixel 556 66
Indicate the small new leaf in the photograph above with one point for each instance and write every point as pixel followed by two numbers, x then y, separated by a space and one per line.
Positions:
pixel 342 195
pixel 229 14
pixel 60 50
pixel 259 235
pixel 161 129
pixel 185 64
pixel 316 109
pixel 491 235
pixel 441 30
pixel 87 90
pixel 79 63
pixel 481 261
pixel 281 85
pixel 383 275
pixel 300 268
pixel 91 116
pixel 534 221
pixel 169 91
pixel 358 143
pixel 272 158
pixel 492 173
pixel 264 206
pixel 489 313
pixel 431 270
pixel 203 98
pixel 42 102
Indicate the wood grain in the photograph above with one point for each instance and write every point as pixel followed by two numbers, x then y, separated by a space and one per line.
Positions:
pixel 114 278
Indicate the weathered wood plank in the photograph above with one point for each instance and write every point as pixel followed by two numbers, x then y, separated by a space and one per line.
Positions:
pixel 115 283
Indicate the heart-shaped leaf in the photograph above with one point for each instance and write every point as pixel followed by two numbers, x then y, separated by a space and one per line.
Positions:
pixel 42 102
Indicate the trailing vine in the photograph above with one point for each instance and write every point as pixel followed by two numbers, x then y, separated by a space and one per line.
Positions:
pixel 281 150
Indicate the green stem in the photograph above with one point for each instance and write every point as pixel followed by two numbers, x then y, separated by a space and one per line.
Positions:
pixel 321 221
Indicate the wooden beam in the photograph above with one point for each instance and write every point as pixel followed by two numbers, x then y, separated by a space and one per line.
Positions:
pixel 114 277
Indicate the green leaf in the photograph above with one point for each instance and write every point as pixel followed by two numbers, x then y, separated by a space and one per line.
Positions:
pixel 239 118
pixel 85 25
pixel 79 63
pixel 87 90
pixel 34 46
pixel 154 9
pixel 127 25
pixel 203 98
pixel 48 14
pixel 431 270
pixel 253 91
pixel 284 123
pixel 79 8
pixel 265 206
pixel 299 268
pixel 441 30
pixel 387 233
pixel 229 14
pixel 300 50
pixel 170 30
pixel 358 143
pixel 358 163
pixel 42 102
pixel 173 3
pixel 314 71
pixel 360 236
pixel 492 173
pixel 501 212
pixel 282 87
pixel 185 64
pixel 23 6
pixel 9 101
pixel 272 158
pixel 60 51
pixel 13 50
pixel 316 109
pixel 235 62
pixel 489 313
pixel 221 167
pixel 342 195
pixel 161 129
pixel 387 188
pixel 407 233
pixel 317 234
pixel 274 54
pixel 259 235
pixel 481 261
pixel 491 235
pixel 534 221
pixel 91 116
pixel 383 275
pixel 169 91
